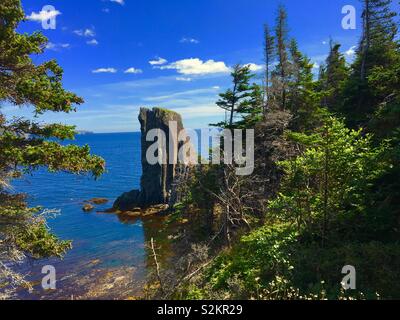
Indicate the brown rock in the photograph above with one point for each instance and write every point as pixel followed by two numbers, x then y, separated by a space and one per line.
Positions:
pixel 87 207
pixel 98 200
pixel 131 214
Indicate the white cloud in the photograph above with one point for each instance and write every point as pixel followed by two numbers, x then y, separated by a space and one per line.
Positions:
pixel 255 67
pixel 133 71
pixel 121 2
pixel 195 66
pixel 92 42
pixel 183 79
pixel 112 106
pixel 159 61
pixel 57 46
pixel 85 33
pixel 51 46
pixel 216 87
pixel 43 15
pixel 189 40
pixel 199 111
pixel 324 42
pixel 351 52
pixel 105 70
pixel 189 94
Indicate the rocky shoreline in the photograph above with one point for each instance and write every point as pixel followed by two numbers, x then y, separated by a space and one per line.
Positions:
pixel 138 212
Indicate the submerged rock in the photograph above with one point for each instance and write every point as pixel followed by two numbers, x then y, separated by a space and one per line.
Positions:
pixel 131 214
pixel 98 201
pixel 87 207
pixel 157 180
pixel 149 211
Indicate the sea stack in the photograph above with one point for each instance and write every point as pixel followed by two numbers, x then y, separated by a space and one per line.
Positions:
pixel 157 180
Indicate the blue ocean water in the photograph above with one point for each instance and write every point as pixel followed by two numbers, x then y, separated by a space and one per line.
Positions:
pixel 99 237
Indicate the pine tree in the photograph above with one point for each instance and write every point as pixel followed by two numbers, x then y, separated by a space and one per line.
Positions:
pixel 28 145
pixel 302 100
pixel 236 98
pixel 316 190
pixel 251 110
pixel 269 55
pixel 377 49
pixel 281 72
pixel 335 74
pixel 379 31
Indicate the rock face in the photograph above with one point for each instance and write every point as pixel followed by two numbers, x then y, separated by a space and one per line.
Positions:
pixel 157 180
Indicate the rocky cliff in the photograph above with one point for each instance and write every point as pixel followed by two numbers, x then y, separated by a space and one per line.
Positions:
pixel 157 180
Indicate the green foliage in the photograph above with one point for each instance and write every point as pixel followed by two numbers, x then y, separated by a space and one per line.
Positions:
pixel 378 49
pixel 338 200
pixel 385 82
pixel 22 142
pixel 281 74
pixel 303 98
pixel 330 181
pixel 25 229
pixel 259 257
pixel 251 110
pixel 27 145
pixel 201 184
pixel 274 262
pixel 333 78
pixel 375 262
pixel 242 98
pixel 22 82
pixel 38 242
pixel 323 220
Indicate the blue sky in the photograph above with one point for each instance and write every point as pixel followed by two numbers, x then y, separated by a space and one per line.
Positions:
pixel 120 55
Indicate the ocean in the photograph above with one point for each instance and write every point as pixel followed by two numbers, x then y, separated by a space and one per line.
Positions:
pixel 105 248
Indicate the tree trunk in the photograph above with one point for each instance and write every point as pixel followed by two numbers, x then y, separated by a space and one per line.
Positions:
pixel 365 42
pixel 326 187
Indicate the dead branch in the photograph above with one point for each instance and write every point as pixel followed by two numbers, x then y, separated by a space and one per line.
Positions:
pixel 157 265
pixel 188 277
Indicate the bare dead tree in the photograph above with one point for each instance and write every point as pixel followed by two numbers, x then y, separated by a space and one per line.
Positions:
pixel 269 50
pixel 157 265
pixel 232 198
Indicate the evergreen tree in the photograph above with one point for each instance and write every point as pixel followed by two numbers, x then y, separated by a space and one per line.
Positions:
pixel 27 145
pixel 302 98
pixel 377 49
pixel 251 110
pixel 320 189
pixel 333 79
pixel 281 73
pixel 236 99
pixel 379 31
pixel 269 56
pixel 385 83
pixel 332 192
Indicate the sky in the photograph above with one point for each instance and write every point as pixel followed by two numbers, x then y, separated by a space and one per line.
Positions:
pixel 120 55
